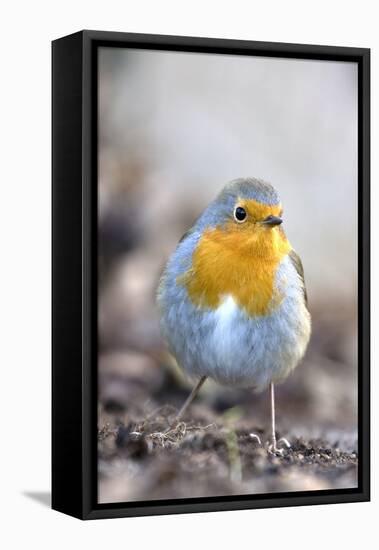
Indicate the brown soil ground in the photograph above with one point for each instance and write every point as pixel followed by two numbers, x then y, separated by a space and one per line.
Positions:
pixel 209 455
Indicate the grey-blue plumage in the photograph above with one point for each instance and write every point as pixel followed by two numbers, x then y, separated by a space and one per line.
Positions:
pixel 227 344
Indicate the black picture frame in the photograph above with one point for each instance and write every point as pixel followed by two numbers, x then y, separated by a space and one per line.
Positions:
pixel 74 273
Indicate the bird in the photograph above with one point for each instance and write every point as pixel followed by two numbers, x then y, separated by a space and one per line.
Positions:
pixel 232 298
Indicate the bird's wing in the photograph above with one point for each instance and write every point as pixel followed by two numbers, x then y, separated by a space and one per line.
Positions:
pixel 186 234
pixel 296 262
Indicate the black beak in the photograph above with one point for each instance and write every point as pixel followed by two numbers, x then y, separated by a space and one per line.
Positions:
pixel 272 221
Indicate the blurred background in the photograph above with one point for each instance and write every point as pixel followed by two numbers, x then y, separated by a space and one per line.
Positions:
pixel 173 129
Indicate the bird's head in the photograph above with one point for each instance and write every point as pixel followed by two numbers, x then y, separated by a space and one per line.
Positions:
pixel 247 216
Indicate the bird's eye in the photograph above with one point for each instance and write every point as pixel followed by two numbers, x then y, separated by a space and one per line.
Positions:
pixel 240 214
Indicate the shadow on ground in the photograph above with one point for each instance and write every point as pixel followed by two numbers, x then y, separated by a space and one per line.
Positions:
pixel 42 497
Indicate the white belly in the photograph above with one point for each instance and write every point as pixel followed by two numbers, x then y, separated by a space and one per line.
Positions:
pixel 224 339
pixel 235 349
pixel 251 352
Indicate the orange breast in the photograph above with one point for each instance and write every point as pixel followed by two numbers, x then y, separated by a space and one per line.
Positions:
pixel 228 261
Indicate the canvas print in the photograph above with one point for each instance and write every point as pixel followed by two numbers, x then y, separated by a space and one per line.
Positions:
pixel 227 275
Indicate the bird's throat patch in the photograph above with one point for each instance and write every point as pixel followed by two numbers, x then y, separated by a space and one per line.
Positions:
pixel 240 264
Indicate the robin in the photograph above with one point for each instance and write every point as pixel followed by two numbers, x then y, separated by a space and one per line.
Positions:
pixel 232 297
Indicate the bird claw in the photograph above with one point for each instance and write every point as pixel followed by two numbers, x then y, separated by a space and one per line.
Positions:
pixel 256 437
pixel 285 442
pixel 275 450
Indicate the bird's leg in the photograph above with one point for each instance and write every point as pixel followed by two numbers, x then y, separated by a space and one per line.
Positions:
pixel 273 447
pixel 273 427
pixel 190 398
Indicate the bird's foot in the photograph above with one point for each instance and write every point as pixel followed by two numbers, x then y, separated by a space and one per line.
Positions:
pixel 256 438
pixel 274 448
